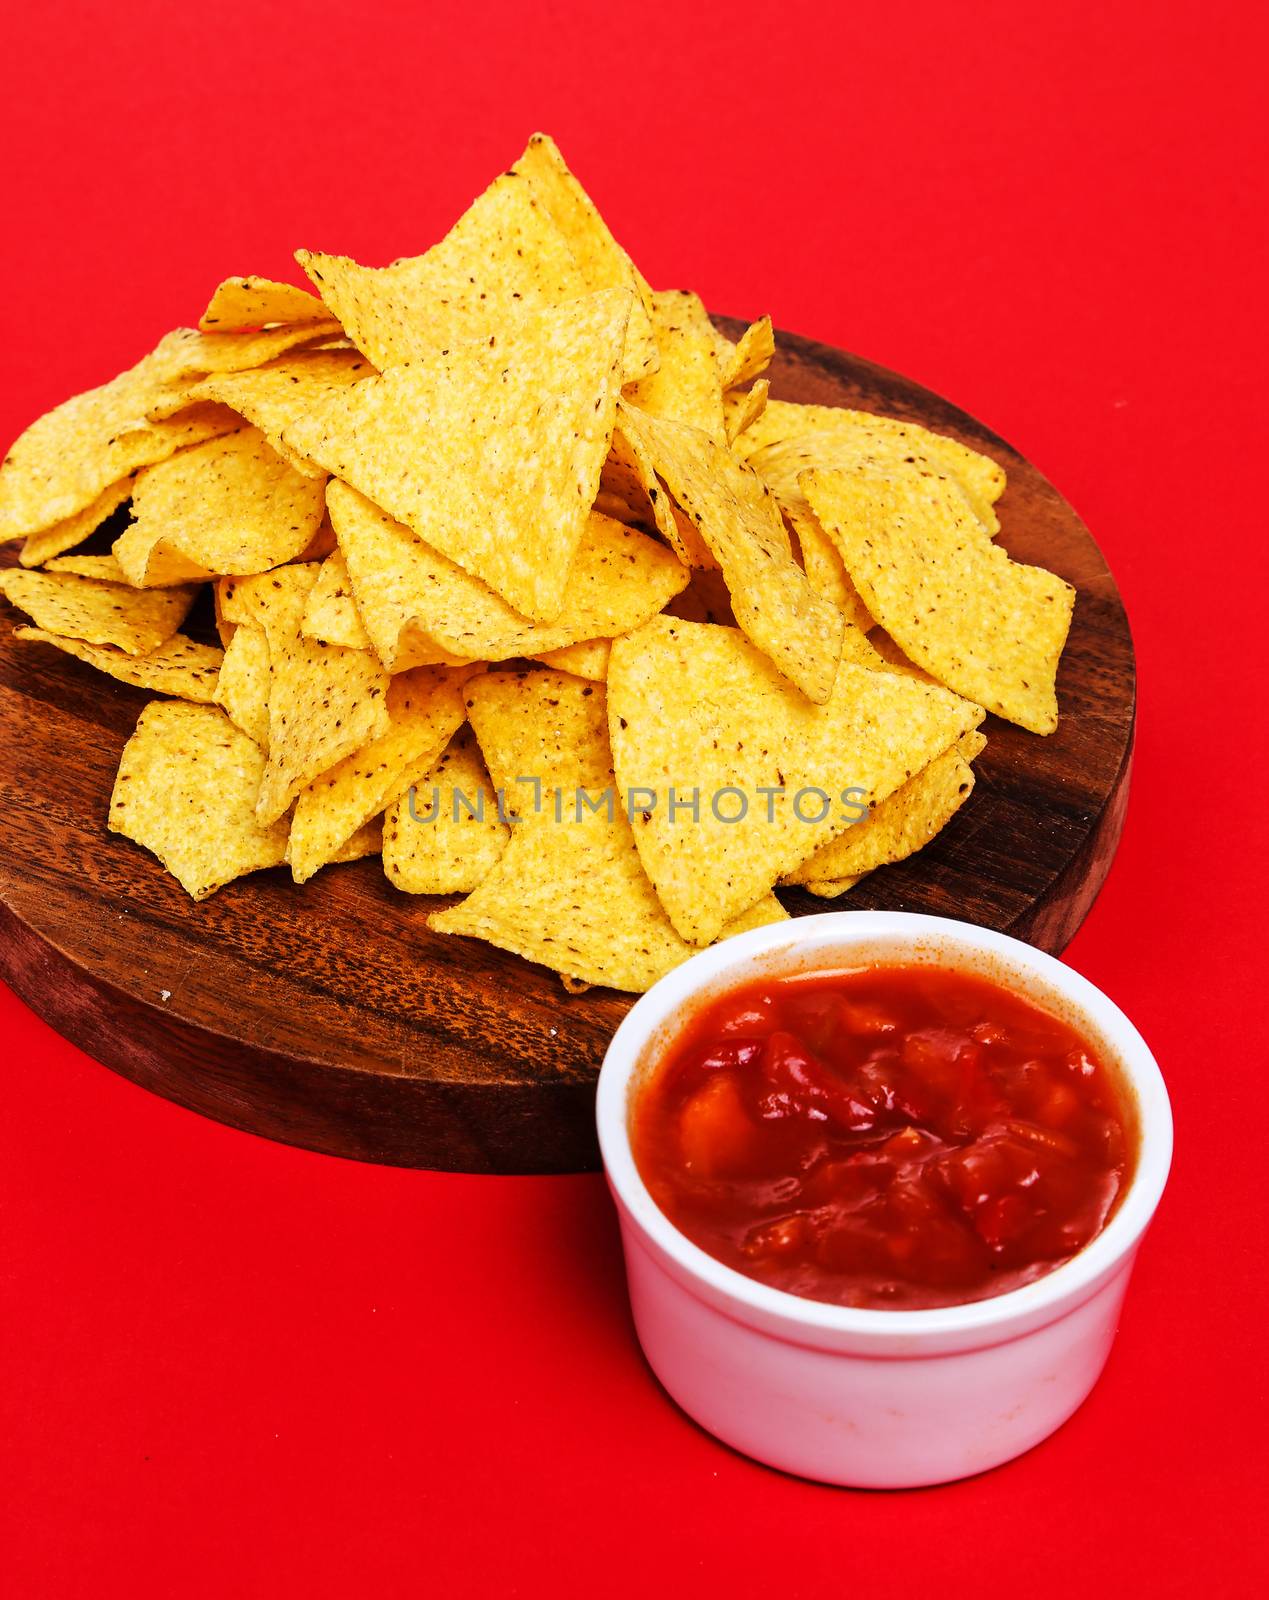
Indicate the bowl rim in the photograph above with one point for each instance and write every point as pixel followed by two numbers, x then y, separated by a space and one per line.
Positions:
pixel 1033 1303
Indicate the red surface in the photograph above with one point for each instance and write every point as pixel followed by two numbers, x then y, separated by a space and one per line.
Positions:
pixel 235 1368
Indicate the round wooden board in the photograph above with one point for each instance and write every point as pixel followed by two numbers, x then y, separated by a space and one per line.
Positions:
pixel 329 1016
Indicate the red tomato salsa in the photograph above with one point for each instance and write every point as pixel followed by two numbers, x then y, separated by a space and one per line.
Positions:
pixel 894 1137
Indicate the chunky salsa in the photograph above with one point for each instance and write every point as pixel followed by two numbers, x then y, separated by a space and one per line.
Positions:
pixel 893 1136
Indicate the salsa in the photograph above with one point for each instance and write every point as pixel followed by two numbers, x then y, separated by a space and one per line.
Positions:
pixel 894 1137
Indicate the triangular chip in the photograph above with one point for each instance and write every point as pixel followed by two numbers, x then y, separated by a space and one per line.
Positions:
pixel 685 387
pixel 588 660
pixel 491 454
pixel 743 410
pixel 734 513
pixel 331 613
pixel 106 568
pixel 445 834
pixel 188 353
pixel 832 888
pixel 751 356
pixel 70 458
pixel 630 475
pixel 71 607
pixel 901 824
pixel 242 689
pixel 697 708
pixel 987 627
pixel 603 263
pixel 186 791
pixel 412 600
pixel 230 506
pixel 822 431
pixel 273 396
pixel 40 548
pixel 425 708
pixel 568 893
pixel 503 257
pixel 256 302
pixel 825 570
pixel 181 667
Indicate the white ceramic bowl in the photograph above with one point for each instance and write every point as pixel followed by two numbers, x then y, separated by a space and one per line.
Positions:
pixel 878 1399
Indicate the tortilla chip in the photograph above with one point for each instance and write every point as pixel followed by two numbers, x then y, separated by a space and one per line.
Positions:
pixel 751 356
pixel 832 888
pixel 503 257
pixel 274 601
pixel 272 396
pixel 629 472
pixel 603 263
pixel 186 791
pixel 746 410
pixel 106 568
pixel 825 570
pixel 242 689
pixel 569 894
pixel 826 433
pixel 700 709
pixel 40 548
pixel 492 453
pixel 894 658
pixel 445 835
pixel 187 353
pixel 901 824
pixel 424 709
pixel 983 625
pixel 412 600
pixel 181 667
pixel 774 604
pixel 685 387
pixel 257 302
pixel 527 725
pixel 98 613
pixel 229 506
pixel 331 613
pixel 587 660
pixel 70 458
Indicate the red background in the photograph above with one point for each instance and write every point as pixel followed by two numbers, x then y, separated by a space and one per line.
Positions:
pixel 232 1367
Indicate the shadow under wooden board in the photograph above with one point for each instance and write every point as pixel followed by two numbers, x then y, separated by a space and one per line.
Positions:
pixel 328 1015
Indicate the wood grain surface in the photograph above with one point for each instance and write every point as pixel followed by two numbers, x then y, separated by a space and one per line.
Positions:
pixel 327 1015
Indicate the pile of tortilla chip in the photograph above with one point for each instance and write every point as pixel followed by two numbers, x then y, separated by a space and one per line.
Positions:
pixel 519 579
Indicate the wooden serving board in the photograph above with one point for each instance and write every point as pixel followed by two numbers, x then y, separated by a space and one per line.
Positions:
pixel 329 1016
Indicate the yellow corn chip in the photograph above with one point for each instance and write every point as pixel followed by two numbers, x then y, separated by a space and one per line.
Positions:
pixel 570 894
pixel 425 708
pixel 273 396
pixel 503 257
pixel 106 568
pixel 832 888
pixel 825 570
pixel 983 625
pixel 630 474
pixel 188 353
pixel 186 791
pixel 242 689
pixel 98 613
pixel 537 731
pixel 751 356
pixel 603 263
pixel 748 406
pixel 445 834
pixel 794 626
pixel 491 454
pixel 68 460
pixel 331 613
pixel 40 548
pixel 698 709
pixel 826 433
pixel 229 506
pixel 685 387
pixel 893 657
pixel 274 601
pixel 411 599
pixel 901 824
pixel 181 667
pixel 256 302
pixel 588 660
